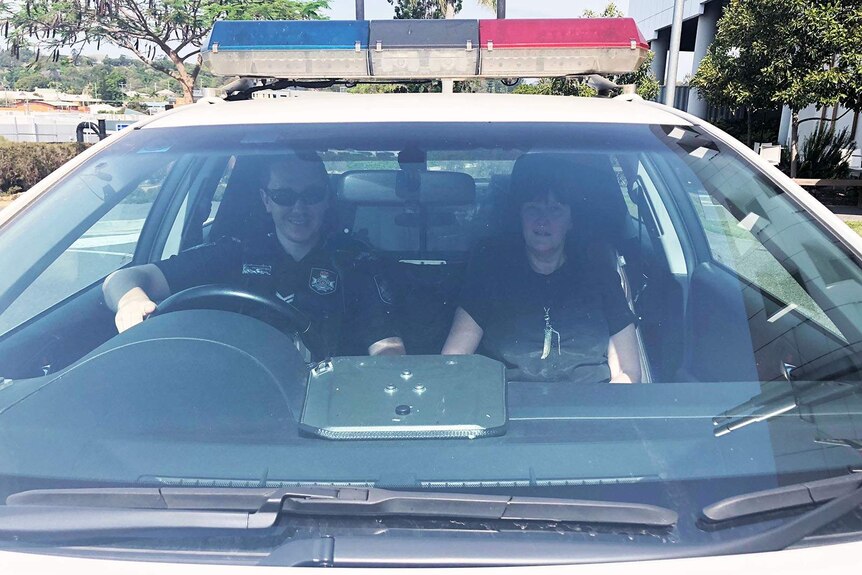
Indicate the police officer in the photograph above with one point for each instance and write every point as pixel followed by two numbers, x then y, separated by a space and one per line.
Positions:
pixel 539 304
pixel 341 294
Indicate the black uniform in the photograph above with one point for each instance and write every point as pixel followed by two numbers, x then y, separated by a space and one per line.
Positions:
pixel 349 304
pixel 567 316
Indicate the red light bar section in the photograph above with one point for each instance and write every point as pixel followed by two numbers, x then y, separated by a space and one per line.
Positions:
pixel 561 33
pixel 548 48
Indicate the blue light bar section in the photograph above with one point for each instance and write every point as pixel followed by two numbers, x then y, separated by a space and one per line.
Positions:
pixel 240 35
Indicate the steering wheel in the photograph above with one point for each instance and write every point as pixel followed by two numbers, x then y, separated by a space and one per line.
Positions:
pixel 276 313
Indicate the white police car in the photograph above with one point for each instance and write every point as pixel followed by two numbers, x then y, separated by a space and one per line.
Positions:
pixel 550 246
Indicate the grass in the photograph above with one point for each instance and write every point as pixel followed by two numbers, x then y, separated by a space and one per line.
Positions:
pixel 855 226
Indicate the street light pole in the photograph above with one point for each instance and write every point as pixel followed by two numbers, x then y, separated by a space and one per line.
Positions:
pixel 673 57
pixel 501 9
pixel 360 9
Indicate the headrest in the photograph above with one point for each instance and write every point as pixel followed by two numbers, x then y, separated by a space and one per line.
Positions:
pixel 400 186
pixel 587 181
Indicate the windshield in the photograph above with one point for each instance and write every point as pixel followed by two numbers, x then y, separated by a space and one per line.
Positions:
pixel 630 313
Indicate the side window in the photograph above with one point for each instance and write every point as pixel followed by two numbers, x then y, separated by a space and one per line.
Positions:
pixel 205 188
pixel 733 245
pixel 105 246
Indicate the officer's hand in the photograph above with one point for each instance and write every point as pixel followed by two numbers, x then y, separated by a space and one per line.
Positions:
pixel 133 308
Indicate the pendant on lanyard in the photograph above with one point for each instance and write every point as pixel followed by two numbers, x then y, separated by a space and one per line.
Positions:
pixel 549 336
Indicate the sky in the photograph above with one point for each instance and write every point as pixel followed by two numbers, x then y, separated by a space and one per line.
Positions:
pixel 381 9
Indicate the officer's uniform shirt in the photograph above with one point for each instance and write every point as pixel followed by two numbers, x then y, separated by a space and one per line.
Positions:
pixel 349 304
pixel 584 306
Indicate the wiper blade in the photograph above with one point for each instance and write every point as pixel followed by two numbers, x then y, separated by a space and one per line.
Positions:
pixel 50 511
pixel 781 498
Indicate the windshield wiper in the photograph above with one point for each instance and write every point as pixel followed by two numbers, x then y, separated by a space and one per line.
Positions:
pixel 785 497
pixel 55 510
pixel 778 399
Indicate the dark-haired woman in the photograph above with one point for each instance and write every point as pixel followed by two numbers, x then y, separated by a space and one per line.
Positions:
pixel 542 307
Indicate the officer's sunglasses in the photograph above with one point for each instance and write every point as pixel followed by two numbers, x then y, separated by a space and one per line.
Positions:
pixel 288 195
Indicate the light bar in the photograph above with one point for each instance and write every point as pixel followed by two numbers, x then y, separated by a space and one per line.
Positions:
pixel 424 49
pixel 537 48
pixel 288 48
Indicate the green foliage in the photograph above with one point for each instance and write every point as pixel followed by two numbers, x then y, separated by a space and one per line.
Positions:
pixel 406 88
pixel 109 87
pixel 557 87
pixel 793 52
pixel 268 10
pixel 772 52
pixel 826 153
pixel 850 61
pixel 646 84
pixel 431 9
pixel 82 74
pixel 24 164
pixel 610 11
pixel 483 86
pixel 420 9
pixel 164 34
pixel 764 126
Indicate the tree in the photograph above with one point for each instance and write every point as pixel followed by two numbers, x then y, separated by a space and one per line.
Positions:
pixel 108 86
pixel 610 11
pixel 164 34
pixel 420 9
pixel 452 7
pixel 774 52
pixel 850 63
pixel 646 84
pixel 432 9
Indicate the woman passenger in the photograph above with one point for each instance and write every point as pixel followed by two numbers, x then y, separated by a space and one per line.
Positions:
pixel 539 303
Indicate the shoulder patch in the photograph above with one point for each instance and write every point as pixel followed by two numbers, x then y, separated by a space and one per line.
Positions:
pixel 323 281
pixel 383 289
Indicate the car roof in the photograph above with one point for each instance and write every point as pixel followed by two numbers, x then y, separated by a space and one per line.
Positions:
pixel 333 107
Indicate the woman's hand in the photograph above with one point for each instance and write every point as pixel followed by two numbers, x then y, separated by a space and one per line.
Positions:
pixel 623 356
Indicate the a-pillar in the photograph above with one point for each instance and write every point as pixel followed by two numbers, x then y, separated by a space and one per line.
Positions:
pixel 706 27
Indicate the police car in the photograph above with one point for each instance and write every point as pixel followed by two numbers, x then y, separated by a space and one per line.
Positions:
pixel 426 330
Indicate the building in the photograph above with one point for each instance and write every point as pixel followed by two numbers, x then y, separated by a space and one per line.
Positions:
pixel 45 100
pixel 700 19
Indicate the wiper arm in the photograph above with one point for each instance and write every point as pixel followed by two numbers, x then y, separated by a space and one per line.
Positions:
pixel 138 508
pixel 778 399
pixel 786 497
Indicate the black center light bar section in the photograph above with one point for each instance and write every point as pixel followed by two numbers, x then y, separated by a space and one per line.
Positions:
pixel 424 49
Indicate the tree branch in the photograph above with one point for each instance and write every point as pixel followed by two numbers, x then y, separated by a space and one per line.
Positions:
pixel 847 111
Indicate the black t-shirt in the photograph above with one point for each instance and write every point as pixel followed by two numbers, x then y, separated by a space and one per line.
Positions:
pixel 567 316
pixel 348 302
